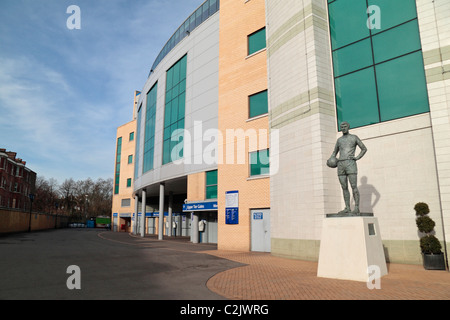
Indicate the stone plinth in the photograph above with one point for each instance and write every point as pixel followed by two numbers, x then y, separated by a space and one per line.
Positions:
pixel 349 246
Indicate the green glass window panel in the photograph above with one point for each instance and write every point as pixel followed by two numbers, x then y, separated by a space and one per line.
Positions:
pixel 176 73
pixel 167 114
pixel 166 151
pixel 176 90
pixel 257 41
pixel 402 87
pixel 151 161
pixel 198 17
pixel 348 22
pixel 211 192
pixel 205 11
pixel 169 79
pixel 182 105
pixel 174 116
pixel 138 132
pixel 169 95
pixel 176 146
pixel 258 104
pixel 117 172
pixel 130 159
pixel 174 108
pixel 259 163
pixel 211 177
pixel 146 164
pixel 149 136
pixel 177 36
pixel 352 57
pixel 191 22
pixel 393 12
pixel 180 124
pixel 183 67
pixel 131 136
pixel 167 131
pixel 183 86
pixel 213 6
pixel 129 182
pixel 397 41
pixel 356 98
pixel 173 127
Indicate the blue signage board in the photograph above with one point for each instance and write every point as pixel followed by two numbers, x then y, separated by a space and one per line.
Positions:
pixel 200 206
pixel 232 207
pixel 257 215
pixel 155 214
pixel 232 215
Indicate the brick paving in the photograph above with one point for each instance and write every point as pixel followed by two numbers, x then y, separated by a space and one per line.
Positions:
pixel 266 277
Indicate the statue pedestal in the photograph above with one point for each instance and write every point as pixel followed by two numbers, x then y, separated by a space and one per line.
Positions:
pixel 349 246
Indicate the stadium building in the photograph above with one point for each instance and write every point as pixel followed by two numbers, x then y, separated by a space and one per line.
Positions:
pixel 242 82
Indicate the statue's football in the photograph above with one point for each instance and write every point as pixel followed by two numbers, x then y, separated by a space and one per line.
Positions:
pixel 332 162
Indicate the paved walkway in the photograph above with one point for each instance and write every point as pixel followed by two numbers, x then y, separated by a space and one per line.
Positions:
pixel 266 277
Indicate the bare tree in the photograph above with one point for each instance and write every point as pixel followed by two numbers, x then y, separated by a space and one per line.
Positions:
pixel 47 195
pixel 66 189
pixel 79 199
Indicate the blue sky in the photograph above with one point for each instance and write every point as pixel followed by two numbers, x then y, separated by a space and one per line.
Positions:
pixel 64 92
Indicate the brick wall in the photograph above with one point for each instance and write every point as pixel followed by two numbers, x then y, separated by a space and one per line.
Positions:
pixel 19 221
pixel 239 77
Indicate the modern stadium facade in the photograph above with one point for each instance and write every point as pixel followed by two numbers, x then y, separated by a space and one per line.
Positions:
pixel 241 111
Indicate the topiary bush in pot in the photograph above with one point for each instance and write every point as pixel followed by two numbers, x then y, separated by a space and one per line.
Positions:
pixel 433 258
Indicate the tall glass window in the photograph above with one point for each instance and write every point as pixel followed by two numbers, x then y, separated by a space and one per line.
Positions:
pixel 117 174
pixel 149 139
pixel 211 184
pixel 377 60
pixel 174 111
pixel 138 130
pixel 257 41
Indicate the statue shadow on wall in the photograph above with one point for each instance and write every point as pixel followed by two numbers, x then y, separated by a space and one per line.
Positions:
pixel 368 196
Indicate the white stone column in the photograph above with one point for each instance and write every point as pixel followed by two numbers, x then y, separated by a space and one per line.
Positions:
pixel 161 212
pixel 136 203
pixel 194 228
pixel 144 204
pixel 170 218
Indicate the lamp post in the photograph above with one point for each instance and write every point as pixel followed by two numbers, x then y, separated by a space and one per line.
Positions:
pixel 85 207
pixel 31 207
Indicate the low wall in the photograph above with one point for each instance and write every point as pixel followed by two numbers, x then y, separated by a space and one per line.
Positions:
pixel 18 221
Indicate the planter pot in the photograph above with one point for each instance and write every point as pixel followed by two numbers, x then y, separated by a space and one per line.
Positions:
pixel 433 261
